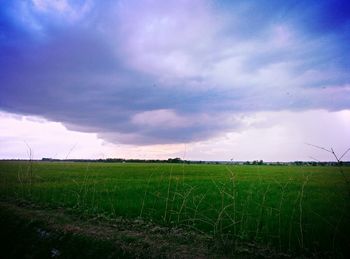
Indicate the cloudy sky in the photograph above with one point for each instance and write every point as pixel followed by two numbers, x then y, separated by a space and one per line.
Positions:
pixel 204 80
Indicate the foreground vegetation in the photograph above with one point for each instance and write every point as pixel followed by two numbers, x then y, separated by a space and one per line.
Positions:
pixel 286 210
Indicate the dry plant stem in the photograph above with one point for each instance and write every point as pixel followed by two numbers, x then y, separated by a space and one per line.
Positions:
pixel 109 193
pixel 279 215
pixel 339 162
pixel 184 200
pixel 196 208
pixel 218 220
pixel 233 198
pixel 183 166
pixel 30 164
pixel 259 225
pixel 174 197
pixel 291 222
pixel 301 212
pixel 144 197
pixel 244 214
pixel 94 195
pixel 70 150
pixel 279 211
pixel 168 194
pixel 83 186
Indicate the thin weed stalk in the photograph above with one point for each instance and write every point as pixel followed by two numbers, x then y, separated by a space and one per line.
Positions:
pixel 301 196
pixel 168 195
pixel 145 194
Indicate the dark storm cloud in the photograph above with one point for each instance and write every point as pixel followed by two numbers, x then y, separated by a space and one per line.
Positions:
pixel 146 72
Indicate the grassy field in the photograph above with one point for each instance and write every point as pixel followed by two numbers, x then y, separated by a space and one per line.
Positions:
pixel 292 210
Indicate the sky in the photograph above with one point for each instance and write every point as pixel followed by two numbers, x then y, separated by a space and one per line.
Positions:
pixel 200 80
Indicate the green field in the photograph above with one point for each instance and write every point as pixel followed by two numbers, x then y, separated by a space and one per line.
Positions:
pixel 290 209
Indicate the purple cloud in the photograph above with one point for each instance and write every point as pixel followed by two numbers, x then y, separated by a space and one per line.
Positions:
pixel 146 72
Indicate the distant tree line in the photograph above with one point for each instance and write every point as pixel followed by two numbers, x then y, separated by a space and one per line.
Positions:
pixel 299 163
pixel 179 160
pixel 120 160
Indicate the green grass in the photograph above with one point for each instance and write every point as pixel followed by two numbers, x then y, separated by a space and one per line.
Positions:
pixel 292 209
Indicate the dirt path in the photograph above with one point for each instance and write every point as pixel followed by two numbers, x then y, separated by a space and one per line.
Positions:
pixel 135 238
pixel 30 231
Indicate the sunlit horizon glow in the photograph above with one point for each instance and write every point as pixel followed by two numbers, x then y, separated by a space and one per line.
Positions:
pixel 200 80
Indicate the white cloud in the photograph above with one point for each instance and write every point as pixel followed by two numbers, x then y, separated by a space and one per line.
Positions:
pixel 280 136
pixel 269 136
pixel 45 138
